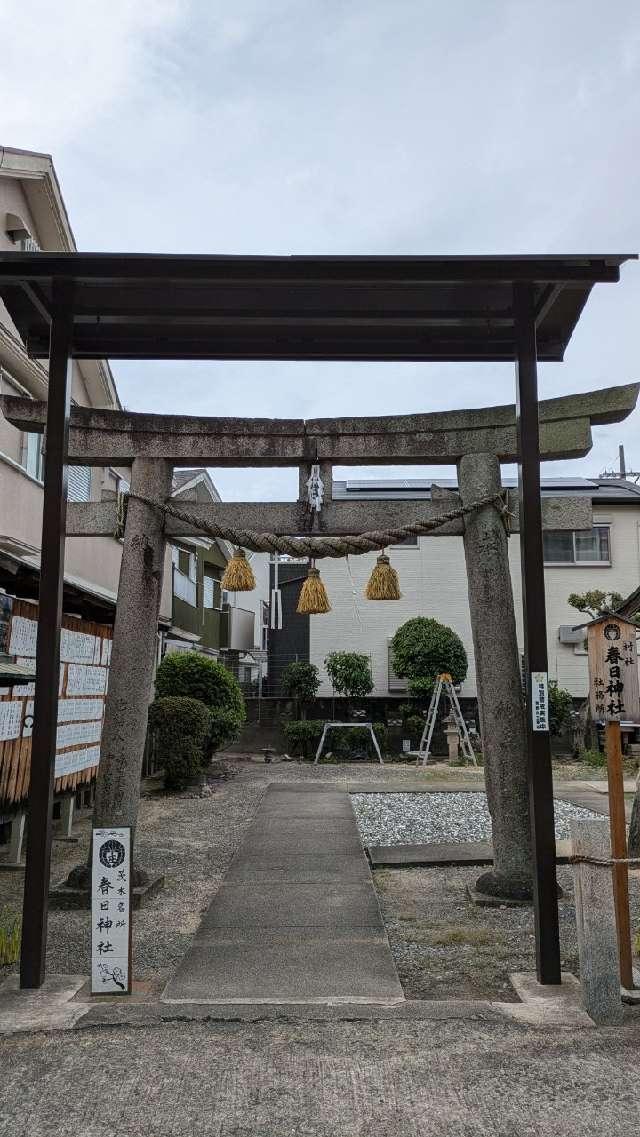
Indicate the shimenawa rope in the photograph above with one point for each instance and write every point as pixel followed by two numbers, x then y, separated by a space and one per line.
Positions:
pixel 319 547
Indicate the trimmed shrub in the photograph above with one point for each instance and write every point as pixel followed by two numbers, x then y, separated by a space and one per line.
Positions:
pixel 349 673
pixel 300 681
pixel 190 674
pixel 423 648
pixel 413 725
pixel 182 727
pixel 303 736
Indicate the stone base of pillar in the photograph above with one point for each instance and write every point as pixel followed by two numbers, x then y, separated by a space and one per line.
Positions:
pixel 64 896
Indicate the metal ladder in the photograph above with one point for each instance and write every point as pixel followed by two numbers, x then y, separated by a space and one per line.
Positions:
pixel 445 682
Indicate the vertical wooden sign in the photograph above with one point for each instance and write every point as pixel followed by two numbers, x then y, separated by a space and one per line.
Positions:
pixel 614 692
pixel 111 912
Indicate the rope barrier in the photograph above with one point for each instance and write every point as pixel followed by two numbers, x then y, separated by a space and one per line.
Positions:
pixel 606 862
pixel 318 547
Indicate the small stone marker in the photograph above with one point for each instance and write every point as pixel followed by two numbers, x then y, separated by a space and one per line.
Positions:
pixel 596 922
pixel 111 912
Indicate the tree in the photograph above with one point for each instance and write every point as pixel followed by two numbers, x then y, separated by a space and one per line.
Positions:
pixel 422 649
pixel 197 676
pixel 300 681
pixel 560 708
pixel 349 673
pixel 595 602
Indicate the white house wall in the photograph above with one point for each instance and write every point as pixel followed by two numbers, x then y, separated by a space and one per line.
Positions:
pixel 433 582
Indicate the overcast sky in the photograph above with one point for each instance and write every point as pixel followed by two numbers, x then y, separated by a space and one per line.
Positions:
pixel 344 126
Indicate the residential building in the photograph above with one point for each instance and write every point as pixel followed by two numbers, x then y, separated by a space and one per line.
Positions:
pixel 232 627
pixel 33 217
pixel 433 581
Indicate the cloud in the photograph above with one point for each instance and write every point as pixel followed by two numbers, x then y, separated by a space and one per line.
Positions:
pixel 65 65
pixel 274 126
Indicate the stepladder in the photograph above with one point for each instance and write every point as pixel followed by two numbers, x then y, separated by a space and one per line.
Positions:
pixel 444 683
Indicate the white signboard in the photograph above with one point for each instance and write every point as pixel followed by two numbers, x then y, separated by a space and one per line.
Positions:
pixel 24 633
pixel 73 710
pixel 540 700
pixel 86 680
pixel 74 733
pixel 71 761
pixel 10 719
pixel 77 647
pixel 111 912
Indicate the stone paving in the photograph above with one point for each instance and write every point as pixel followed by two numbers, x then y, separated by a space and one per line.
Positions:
pixel 297 917
pixel 468 1078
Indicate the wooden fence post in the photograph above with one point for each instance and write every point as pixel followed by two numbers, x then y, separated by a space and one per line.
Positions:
pixel 618 830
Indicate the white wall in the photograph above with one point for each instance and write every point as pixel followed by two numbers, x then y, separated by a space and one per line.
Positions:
pixel 433 582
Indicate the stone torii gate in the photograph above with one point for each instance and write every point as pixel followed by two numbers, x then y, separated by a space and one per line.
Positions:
pixel 392 309
pixel 477 441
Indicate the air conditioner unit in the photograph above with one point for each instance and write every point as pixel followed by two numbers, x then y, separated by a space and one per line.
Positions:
pixel 570 635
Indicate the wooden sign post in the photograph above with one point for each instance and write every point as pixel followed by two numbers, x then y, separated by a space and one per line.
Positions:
pixel 614 696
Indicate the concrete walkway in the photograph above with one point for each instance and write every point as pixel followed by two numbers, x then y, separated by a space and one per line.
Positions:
pixel 296 918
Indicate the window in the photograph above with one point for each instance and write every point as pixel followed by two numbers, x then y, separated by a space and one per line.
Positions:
pixel 187 564
pixel 264 640
pixel 577 546
pixel 79 483
pixel 207 591
pixel 32 456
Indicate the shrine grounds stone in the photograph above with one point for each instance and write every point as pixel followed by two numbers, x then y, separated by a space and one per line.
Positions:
pixel 450 1078
pixel 269 938
pixel 596 922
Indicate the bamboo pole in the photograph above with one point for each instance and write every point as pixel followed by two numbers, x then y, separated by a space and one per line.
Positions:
pixel 618 830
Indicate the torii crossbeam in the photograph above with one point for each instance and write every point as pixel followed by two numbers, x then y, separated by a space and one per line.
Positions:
pixel 85 305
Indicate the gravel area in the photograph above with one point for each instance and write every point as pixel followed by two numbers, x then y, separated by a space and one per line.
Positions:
pixel 191 839
pixel 417 818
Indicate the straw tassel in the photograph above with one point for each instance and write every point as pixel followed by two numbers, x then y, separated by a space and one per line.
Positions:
pixel 313 599
pixel 238 575
pixel 383 583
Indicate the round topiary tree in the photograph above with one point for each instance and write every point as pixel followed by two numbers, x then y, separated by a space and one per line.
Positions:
pixel 300 681
pixel 423 648
pixel 196 676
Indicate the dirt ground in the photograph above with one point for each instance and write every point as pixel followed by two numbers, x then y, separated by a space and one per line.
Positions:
pixel 445 947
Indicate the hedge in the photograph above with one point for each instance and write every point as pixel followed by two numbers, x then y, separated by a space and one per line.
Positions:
pixel 182 727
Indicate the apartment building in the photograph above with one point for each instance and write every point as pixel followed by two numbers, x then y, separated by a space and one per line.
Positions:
pixel 33 217
pixel 232 627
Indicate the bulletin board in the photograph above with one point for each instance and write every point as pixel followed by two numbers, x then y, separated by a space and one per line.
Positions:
pixel 85 656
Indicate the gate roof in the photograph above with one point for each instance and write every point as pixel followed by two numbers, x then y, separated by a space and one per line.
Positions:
pixel 150 306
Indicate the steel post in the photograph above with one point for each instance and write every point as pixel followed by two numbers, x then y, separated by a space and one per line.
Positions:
pixel 543 841
pixel 43 742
